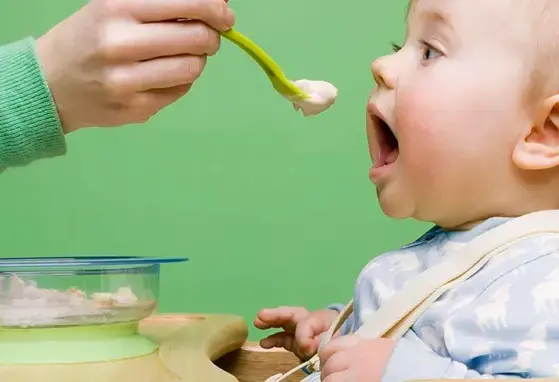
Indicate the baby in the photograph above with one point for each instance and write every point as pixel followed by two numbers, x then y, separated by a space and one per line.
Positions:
pixel 463 129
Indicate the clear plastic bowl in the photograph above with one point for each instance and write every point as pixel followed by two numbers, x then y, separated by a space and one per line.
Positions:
pixel 70 291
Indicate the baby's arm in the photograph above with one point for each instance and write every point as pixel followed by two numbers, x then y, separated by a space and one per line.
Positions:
pixel 510 330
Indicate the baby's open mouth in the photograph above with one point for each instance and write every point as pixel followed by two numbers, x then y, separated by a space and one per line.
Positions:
pixel 387 142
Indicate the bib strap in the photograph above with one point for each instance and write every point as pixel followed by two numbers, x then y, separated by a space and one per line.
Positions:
pixel 398 313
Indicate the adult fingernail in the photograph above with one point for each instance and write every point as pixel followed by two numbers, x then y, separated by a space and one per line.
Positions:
pixel 229 18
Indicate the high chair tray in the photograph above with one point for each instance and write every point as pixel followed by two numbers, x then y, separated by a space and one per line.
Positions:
pixel 192 348
pixel 213 348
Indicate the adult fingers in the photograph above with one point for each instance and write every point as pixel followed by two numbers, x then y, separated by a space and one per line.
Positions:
pixel 215 13
pixel 159 73
pixel 144 105
pixel 168 95
pixel 158 99
pixel 133 42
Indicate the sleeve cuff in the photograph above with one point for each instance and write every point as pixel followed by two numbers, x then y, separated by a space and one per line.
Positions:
pixel 347 325
pixel 30 128
pixel 337 307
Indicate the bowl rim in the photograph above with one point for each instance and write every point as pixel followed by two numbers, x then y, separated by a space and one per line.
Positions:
pixel 85 261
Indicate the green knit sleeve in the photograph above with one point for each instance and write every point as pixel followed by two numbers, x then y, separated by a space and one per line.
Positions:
pixel 29 125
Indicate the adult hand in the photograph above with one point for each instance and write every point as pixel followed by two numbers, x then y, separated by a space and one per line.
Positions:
pixel 115 62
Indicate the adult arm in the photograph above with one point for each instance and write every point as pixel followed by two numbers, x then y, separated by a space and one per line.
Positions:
pixel 109 64
pixel 29 125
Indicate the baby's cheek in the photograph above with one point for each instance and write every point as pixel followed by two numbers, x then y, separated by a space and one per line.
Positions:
pixel 418 127
pixel 429 138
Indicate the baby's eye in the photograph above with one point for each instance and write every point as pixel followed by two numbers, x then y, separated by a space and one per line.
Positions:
pixel 429 51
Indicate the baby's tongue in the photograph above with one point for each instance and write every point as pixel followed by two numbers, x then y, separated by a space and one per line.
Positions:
pixel 392 156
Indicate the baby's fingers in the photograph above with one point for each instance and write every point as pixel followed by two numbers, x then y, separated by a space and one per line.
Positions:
pixel 282 317
pixel 308 331
pixel 278 340
pixel 308 345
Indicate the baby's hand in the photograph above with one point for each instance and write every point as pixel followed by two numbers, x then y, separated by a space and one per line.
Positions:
pixel 301 328
pixel 352 358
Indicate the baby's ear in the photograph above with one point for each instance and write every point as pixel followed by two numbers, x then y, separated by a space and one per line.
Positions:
pixel 538 149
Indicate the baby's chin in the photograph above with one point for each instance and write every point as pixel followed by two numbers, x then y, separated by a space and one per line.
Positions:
pixel 394 205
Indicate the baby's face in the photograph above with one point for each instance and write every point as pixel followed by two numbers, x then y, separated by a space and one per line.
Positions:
pixel 453 107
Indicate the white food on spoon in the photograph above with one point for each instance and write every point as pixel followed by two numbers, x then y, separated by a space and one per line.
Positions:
pixel 321 94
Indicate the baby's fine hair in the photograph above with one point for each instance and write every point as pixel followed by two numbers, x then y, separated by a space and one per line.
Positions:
pixel 542 44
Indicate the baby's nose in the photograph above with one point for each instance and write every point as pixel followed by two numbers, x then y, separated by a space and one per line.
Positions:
pixel 385 77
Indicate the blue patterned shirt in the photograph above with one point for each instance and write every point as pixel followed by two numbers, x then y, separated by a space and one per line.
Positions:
pixel 503 322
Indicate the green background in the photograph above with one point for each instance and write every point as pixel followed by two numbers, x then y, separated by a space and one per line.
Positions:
pixel 272 208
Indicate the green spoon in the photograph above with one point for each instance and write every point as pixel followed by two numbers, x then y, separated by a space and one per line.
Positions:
pixel 279 81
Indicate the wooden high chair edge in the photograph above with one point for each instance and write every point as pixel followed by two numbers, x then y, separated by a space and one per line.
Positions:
pixel 251 363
